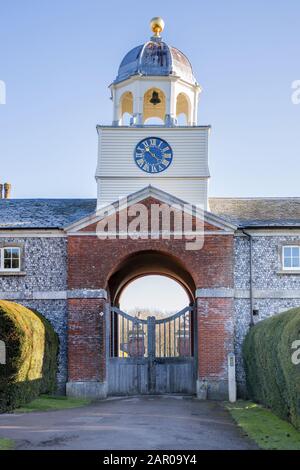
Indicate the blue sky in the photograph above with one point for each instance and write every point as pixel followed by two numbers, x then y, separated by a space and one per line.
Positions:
pixel 58 57
pixel 169 295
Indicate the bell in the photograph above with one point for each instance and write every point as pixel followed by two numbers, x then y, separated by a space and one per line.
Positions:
pixel 155 98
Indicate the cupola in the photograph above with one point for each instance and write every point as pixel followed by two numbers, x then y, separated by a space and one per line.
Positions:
pixel 155 84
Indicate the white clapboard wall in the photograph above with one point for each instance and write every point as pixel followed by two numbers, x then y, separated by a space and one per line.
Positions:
pixel 118 175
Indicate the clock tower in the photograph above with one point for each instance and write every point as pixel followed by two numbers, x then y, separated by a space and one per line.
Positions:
pixel 154 138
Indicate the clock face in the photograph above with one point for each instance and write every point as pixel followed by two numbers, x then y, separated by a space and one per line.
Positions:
pixel 153 155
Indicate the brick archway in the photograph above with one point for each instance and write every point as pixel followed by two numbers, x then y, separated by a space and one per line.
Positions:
pixel 151 353
pixel 147 262
pixel 99 269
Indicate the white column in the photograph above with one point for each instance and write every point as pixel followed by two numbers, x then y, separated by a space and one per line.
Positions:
pixel 116 106
pixel 195 108
pixel 170 118
pixel 138 101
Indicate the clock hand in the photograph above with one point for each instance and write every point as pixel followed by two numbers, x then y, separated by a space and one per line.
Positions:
pixel 152 154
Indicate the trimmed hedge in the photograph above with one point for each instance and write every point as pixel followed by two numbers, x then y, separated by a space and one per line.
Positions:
pixel 272 378
pixel 31 355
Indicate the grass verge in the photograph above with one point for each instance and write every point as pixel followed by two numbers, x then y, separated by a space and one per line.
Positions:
pixel 265 428
pixel 51 403
pixel 6 444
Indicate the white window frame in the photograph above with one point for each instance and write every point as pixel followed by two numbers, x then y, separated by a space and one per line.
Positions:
pixel 9 270
pixel 290 268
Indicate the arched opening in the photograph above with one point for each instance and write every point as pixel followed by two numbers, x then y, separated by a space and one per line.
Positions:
pixel 126 108
pixel 154 105
pixel 137 297
pixel 182 109
pixel 152 348
pixel 155 298
pixel 145 263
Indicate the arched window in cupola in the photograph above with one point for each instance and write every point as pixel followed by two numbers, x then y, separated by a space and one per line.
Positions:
pixel 154 105
pixel 126 103
pixel 183 109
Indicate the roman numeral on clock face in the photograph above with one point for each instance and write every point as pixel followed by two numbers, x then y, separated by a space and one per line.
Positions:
pixel 153 155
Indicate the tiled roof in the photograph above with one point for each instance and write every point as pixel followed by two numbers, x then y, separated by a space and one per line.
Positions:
pixel 58 213
pixel 258 212
pixel 43 213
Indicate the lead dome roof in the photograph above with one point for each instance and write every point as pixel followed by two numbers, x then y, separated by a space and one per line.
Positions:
pixel 155 58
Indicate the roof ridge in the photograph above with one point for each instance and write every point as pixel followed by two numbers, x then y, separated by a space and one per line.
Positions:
pixel 263 198
pixel 50 199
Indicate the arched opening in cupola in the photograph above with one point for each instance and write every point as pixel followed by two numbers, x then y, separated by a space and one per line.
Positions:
pixel 126 108
pixel 154 105
pixel 183 109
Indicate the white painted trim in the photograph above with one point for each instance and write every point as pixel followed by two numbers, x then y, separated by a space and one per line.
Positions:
pixel 21 233
pixel 151 234
pixel 177 178
pixel 256 198
pixel 162 196
pixel 142 128
pixel 155 78
pixel 60 233
pixel 289 269
pixel 276 232
pixel 9 270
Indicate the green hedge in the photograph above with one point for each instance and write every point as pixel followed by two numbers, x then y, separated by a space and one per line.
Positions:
pixel 272 378
pixel 31 355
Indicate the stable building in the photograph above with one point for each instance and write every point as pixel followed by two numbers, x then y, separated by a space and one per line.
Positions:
pixel 70 259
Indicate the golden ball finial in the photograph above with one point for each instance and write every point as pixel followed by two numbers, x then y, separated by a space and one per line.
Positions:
pixel 157 25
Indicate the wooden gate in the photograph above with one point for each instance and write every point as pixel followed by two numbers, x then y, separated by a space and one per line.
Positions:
pixel 151 356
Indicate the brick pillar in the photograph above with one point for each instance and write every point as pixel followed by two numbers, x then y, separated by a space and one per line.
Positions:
pixel 86 344
pixel 215 341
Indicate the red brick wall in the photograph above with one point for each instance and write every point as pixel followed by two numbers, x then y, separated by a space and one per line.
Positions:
pixel 86 340
pixel 215 336
pixel 92 261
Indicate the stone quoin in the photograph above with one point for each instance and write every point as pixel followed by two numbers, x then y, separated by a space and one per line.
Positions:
pixel 246 268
